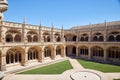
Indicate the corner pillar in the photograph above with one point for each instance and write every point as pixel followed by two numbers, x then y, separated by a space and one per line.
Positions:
pixel 3 60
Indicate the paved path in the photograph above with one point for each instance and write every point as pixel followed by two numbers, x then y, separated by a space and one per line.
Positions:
pixel 75 64
pixel 64 76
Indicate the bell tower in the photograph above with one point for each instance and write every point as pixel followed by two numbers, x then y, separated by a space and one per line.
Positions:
pixel 3 8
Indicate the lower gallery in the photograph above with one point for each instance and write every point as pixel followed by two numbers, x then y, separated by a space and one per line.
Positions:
pixel 21 43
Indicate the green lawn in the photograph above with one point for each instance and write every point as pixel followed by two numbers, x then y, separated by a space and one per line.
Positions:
pixel 99 66
pixel 56 68
pixel 116 79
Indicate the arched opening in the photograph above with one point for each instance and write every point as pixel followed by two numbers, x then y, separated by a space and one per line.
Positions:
pixel 83 52
pixel 32 54
pixel 111 38
pixel 98 37
pixel 74 38
pixel 97 53
pixel 35 54
pixel 58 50
pixel 70 37
pixel 46 37
pixel 17 38
pixel 35 38
pixel 84 37
pixel 49 52
pixel 95 38
pixel 113 54
pixel 9 38
pixel 114 36
pixel 118 38
pixel 70 50
pixel 9 35
pixel 29 38
pixel 32 36
pixel 57 37
pixel 15 55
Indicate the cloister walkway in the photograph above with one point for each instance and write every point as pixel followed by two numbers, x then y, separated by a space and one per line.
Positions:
pixel 64 76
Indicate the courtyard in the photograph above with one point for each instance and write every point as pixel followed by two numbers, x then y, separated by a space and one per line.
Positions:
pixel 62 70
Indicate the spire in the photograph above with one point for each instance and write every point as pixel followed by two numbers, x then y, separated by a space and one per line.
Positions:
pixel 24 21
pixel 52 25
pixel 40 24
pixel 105 23
pixel 62 26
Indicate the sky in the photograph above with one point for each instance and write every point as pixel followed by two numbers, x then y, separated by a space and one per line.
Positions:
pixel 67 12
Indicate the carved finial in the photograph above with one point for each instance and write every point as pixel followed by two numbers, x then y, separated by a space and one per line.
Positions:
pixel 24 21
pixel 62 26
pixel 105 23
pixel 52 25
pixel 40 23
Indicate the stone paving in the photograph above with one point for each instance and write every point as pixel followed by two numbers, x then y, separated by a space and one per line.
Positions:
pixel 64 76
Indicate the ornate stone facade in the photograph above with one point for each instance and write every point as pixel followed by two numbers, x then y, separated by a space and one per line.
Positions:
pixel 21 43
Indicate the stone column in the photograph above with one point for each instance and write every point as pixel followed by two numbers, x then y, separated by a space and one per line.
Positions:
pixel 63 52
pixel 105 55
pixel 3 60
pixel 24 61
pixel 54 53
pixel 89 53
pixel 77 51
pixel 40 59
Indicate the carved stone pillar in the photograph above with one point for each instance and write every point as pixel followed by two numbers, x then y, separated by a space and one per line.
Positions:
pixel 105 55
pixel 3 60
pixel 89 53
pixel 77 51
pixel 24 61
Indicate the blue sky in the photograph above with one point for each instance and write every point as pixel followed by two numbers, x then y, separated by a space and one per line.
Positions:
pixel 67 12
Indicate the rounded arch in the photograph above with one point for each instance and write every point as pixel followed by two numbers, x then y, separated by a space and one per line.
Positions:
pixel 49 52
pixel 113 54
pixel 84 37
pixel 70 37
pixel 97 53
pixel 46 36
pixel 111 38
pixel 118 38
pixel 15 55
pixel 98 37
pixel 57 37
pixel 60 50
pixel 35 38
pixel 114 36
pixel 71 50
pixel 35 53
pixel 9 38
pixel 83 51
pixel 32 32
pixel 17 38
pixel 29 38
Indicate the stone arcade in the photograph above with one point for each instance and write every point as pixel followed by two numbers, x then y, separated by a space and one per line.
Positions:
pixel 21 43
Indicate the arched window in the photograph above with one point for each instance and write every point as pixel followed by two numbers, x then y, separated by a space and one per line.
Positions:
pixel 95 38
pixel 17 38
pixel 118 38
pixel 35 38
pixel 111 38
pixel 9 38
pixel 29 38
